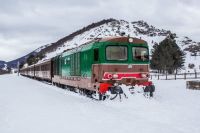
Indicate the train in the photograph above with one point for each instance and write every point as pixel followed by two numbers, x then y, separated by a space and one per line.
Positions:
pixel 97 67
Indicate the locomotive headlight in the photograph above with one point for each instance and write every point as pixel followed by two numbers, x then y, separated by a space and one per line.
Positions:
pixel 110 76
pixel 115 76
pixel 143 75
pixel 130 39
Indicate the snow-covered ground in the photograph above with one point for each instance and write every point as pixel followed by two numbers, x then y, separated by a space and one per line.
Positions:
pixel 29 106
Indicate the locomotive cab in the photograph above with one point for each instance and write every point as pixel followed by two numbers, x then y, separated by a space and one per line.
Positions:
pixel 121 61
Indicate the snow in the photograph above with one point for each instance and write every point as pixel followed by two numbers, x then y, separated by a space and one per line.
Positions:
pixel 130 29
pixel 30 106
pixel 106 30
pixel 192 60
pixel 5 67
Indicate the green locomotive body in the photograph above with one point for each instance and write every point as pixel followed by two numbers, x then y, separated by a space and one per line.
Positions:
pixel 108 61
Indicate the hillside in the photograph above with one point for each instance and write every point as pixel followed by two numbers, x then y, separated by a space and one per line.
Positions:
pixel 107 28
pixel 112 27
pixel 2 64
pixel 139 29
pixel 14 63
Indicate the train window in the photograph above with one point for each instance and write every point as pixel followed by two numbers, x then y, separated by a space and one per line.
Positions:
pixel 116 53
pixel 96 54
pixel 140 53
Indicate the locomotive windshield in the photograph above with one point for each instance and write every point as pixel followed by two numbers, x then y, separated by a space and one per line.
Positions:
pixel 116 53
pixel 140 53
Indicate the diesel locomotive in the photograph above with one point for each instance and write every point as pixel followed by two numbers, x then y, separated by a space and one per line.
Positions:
pixel 97 67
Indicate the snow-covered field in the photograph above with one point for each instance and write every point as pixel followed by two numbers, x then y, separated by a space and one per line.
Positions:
pixel 29 106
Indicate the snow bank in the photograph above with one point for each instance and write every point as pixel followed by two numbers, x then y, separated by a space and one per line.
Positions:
pixel 29 106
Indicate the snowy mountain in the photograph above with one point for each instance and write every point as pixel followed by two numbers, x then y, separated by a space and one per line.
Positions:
pixel 2 64
pixel 14 63
pixel 113 27
pixel 192 50
pixel 3 68
pixel 107 28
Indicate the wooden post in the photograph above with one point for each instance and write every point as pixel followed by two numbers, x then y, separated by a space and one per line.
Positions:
pixel 18 68
pixel 175 76
pixel 158 76
pixel 184 75
pixel 195 74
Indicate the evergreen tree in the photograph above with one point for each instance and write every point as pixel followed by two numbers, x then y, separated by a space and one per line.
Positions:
pixel 32 59
pixel 167 56
pixel 21 65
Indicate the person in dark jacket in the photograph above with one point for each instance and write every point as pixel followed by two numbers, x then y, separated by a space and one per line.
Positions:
pixel 152 89
pixel 148 90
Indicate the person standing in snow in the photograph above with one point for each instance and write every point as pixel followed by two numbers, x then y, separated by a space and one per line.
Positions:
pixel 151 90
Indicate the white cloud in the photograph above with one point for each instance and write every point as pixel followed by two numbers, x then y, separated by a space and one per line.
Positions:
pixel 26 25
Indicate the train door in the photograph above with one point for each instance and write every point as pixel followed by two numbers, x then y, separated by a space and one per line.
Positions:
pixel 52 68
pixel 78 65
pixel 60 65
pixel 72 65
pixel 75 66
pixel 95 67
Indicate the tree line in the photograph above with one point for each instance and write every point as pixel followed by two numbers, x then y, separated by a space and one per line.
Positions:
pixel 32 59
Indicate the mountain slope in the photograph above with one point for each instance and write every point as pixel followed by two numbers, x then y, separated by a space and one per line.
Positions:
pixel 14 63
pixel 2 63
pixel 113 27
pixel 107 28
pixel 139 29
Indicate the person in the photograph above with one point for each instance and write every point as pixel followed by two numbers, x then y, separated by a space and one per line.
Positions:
pixel 149 89
pixel 152 89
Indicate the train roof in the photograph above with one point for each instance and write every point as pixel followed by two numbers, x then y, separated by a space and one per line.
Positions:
pixel 37 64
pixel 42 62
pixel 123 39
pixel 106 39
pixel 89 45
